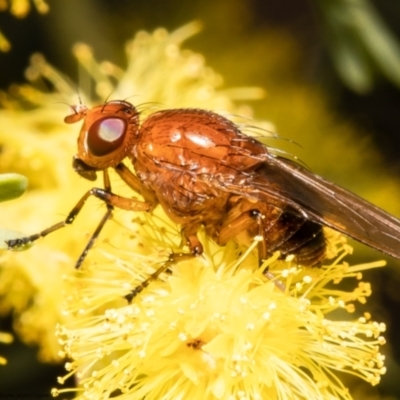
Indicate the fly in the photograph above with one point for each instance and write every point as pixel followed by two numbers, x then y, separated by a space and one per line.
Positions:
pixel 204 172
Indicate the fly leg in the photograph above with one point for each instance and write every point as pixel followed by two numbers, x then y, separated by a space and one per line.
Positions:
pixel 196 249
pixel 135 183
pixel 246 222
pixel 111 201
pixel 233 225
pixel 173 259
pixel 189 233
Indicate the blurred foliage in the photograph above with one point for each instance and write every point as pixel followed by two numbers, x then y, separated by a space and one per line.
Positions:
pixel 12 186
pixel 362 46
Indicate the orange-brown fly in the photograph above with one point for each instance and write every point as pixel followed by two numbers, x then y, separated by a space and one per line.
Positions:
pixel 204 171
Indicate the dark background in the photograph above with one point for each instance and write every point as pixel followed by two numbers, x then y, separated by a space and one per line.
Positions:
pixel 227 27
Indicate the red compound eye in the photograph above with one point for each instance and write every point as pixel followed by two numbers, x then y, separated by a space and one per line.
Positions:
pixel 105 136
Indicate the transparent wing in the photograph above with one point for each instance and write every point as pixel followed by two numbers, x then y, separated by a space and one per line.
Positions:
pixel 285 184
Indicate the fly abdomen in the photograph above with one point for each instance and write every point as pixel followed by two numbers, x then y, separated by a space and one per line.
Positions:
pixel 292 234
pixel 308 244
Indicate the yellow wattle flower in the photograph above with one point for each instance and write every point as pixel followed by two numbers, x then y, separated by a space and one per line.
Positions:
pixel 217 327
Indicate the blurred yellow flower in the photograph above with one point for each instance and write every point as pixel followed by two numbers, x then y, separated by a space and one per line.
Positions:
pixel 5 338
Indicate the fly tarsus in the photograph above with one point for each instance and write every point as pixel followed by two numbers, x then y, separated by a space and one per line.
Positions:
pixel 174 258
pixel 15 244
pixel 95 235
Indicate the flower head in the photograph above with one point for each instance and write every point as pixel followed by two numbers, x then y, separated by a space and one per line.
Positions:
pixel 218 327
